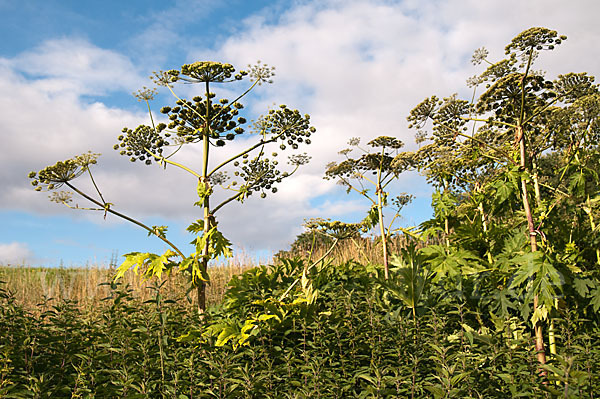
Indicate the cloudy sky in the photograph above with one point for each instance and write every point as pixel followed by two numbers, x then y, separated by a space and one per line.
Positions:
pixel 68 68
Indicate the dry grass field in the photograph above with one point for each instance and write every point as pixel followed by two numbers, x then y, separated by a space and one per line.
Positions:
pixel 34 285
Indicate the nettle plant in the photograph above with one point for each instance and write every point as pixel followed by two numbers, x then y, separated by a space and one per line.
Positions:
pixel 378 168
pixel 211 124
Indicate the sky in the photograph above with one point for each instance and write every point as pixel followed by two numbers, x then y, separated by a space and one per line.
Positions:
pixel 68 68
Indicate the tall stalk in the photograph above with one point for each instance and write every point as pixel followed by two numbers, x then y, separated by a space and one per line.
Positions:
pixel 380 199
pixel 201 289
pixel 588 205
pixel 485 231
pixel 446 220
pixel 520 136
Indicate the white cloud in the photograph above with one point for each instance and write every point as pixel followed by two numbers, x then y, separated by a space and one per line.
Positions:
pixel 75 66
pixel 14 253
pixel 357 67
pixel 40 128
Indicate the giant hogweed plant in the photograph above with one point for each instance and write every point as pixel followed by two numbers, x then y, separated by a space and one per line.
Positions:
pixel 518 120
pixel 374 168
pixel 263 308
pixel 210 124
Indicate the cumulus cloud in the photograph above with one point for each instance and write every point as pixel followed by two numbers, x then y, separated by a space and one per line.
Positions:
pixel 75 66
pixel 357 67
pixel 14 253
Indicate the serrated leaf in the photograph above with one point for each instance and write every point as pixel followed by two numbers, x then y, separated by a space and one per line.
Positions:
pixel 132 259
pixel 595 302
pixel 204 190
pixel 529 265
pixel 218 245
pixel 160 264
pixel 196 227
pixel 372 218
pixel 539 314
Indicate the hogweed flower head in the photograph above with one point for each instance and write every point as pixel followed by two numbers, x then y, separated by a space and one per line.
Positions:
pixel 136 143
pixel 218 178
pixel 386 141
pixel 479 56
pixel 290 126
pixel 208 71
pixel 536 39
pixel 299 159
pixel 188 120
pixel 335 228
pixel 354 141
pixel 61 197
pixel 145 94
pixel 261 73
pixel 52 177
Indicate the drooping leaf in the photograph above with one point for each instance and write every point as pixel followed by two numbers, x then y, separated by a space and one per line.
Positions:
pixel 149 264
pixel 204 190
pixel 451 261
pixel 372 218
pixel 218 245
pixel 196 227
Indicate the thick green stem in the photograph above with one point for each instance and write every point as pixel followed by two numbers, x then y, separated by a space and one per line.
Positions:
pixel 539 338
pixel 520 137
pixel 552 333
pixel 588 209
pixel 201 289
pixel 485 231
pixel 386 271
pixel 380 199
pixel 446 221
pixel 536 182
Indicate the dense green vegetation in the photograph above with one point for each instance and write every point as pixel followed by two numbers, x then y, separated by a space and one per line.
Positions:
pixel 496 296
pixel 357 338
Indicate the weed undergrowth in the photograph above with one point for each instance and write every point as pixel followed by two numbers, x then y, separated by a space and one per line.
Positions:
pixel 349 339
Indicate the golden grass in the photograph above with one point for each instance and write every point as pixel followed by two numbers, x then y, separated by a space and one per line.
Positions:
pixel 362 250
pixel 34 285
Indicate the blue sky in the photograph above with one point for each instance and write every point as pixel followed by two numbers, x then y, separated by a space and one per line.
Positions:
pixel 68 68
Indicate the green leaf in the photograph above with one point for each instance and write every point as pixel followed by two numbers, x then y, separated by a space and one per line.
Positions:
pixel 192 264
pixel 595 302
pixel 160 231
pixel 132 259
pixel 530 264
pixel 249 325
pixel 226 335
pixel 160 264
pixel 196 227
pixel 217 244
pixel 539 314
pixel 204 190
pixel 264 317
pixel 372 218
pixel 504 191
pixel 582 286
pixel 577 183
pixel 151 264
pixel 408 277
pixel 451 261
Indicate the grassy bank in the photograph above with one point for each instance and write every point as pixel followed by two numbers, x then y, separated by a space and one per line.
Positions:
pixel 35 285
